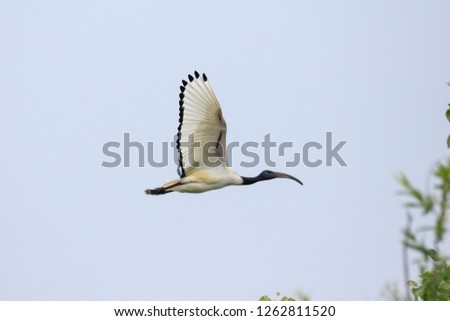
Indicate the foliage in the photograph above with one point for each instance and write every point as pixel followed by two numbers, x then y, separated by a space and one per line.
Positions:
pixel 434 275
pixel 447 113
pixel 300 297
pixel 435 284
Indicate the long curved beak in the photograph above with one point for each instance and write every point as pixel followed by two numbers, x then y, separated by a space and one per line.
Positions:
pixel 283 175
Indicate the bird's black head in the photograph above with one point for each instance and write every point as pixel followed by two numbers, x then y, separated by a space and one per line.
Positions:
pixel 266 175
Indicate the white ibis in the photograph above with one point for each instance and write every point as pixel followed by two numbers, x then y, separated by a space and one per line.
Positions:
pixel 201 144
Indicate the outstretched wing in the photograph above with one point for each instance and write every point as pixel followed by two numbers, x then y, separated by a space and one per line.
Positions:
pixel 201 139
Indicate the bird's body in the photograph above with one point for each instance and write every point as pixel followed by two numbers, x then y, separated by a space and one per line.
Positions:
pixel 201 144
pixel 201 180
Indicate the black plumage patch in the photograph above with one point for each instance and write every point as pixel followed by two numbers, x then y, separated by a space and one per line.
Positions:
pixel 204 77
pixel 196 74
pixel 190 78
pixel 180 168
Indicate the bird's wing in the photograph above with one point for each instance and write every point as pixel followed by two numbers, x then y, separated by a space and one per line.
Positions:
pixel 201 139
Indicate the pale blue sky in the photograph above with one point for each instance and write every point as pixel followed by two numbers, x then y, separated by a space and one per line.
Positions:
pixel 77 74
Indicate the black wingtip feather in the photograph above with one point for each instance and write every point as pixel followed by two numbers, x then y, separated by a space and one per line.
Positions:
pixel 196 74
pixel 204 77
pixel 190 78
pixel 180 168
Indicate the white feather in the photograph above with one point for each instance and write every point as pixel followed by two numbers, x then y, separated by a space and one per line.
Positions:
pixel 203 128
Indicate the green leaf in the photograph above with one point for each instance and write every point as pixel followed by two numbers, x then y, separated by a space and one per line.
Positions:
pixel 433 254
pixel 448 141
pixel 409 235
pixel 417 292
pixel 447 113
pixel 412 283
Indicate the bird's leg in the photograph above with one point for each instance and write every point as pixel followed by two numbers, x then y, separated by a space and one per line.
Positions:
pixel 157 191
pixel 162 190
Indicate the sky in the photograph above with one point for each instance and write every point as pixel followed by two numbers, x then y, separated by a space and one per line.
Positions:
pixel 78 74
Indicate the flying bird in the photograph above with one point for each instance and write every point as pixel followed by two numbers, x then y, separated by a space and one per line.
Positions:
pixel 201 144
